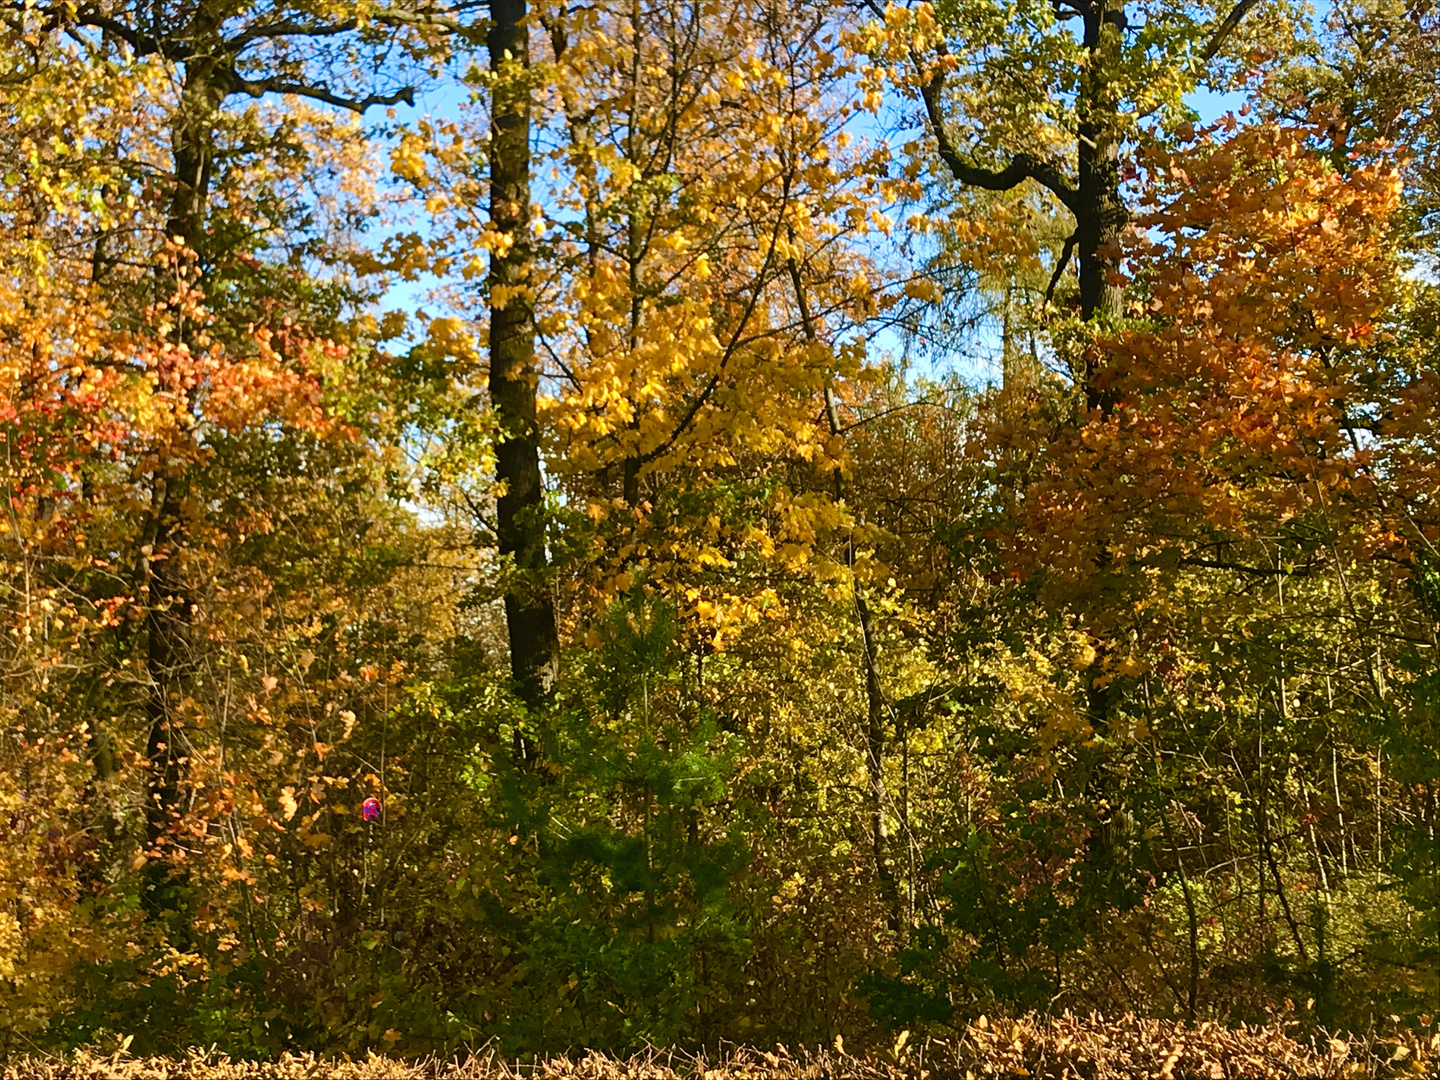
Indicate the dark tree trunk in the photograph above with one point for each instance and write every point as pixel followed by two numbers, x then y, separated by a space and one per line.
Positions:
pixel 1100 212
pixel 1093 197
pixel 205 41
pixel 1100 215
pixel 529 612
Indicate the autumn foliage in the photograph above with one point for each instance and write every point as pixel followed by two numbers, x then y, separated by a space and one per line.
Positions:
pixel 744 524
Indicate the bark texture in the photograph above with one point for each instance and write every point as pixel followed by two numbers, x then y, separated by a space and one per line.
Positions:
pixel 529 611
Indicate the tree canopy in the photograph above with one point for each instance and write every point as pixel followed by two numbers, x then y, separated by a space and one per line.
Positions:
pixel 773 521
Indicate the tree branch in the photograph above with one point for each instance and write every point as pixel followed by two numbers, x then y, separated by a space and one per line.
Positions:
pixel 1022 166
pixel 143 44
pixel 761 280
pixel 1060 264
pixel 181 50
pixel 287 28
pixel 1198 562
pixel 1226 28
pixel 386 17
pixel 234 83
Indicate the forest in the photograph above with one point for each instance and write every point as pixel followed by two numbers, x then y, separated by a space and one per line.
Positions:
pixel 563 524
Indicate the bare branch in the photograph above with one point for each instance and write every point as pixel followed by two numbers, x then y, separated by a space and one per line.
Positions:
pixel 234 83
pixel 1226 28
pixel 143 44
pixel 1060 265
pixel 287 28
pixel 1022 167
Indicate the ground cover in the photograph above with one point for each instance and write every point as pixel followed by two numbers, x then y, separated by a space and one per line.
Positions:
pixel 1063 1048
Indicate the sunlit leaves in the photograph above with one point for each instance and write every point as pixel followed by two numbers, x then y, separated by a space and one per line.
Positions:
pixel 1266 278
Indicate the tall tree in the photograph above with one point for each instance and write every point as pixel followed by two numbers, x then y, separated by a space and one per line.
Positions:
pixel 514 380
pixel 1014 94
pixel 217 53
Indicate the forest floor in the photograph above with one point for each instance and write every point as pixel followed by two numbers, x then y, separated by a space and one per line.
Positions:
pixel 1064 1048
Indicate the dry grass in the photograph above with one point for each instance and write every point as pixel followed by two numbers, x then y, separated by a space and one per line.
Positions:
pixel 1065 1048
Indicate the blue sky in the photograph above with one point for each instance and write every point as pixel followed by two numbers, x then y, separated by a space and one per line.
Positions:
pixel 447 100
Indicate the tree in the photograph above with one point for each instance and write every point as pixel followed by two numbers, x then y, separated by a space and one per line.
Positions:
pixel 880 693
pixel 1231 453
pixel 669 339
pixel 514 378
pixel 218 54
pixel 1014 95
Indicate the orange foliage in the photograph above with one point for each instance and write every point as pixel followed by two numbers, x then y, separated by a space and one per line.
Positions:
pixel 1237 402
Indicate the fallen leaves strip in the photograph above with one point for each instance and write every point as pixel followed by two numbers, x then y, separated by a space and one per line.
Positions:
pixel 1049 1048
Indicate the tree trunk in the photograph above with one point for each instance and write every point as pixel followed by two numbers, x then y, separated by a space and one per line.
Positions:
pixel 167 600
pixel 166 655
pixel 1094 198
pixel 1100 213
pixel 529 612
pixel 875 742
